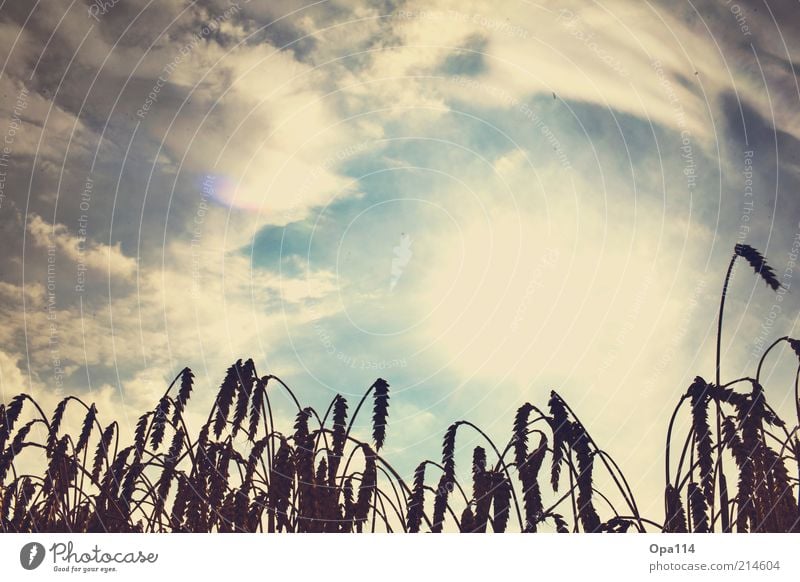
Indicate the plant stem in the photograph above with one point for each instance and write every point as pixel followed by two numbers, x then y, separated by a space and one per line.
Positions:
pixel 721 310
pixel 721 474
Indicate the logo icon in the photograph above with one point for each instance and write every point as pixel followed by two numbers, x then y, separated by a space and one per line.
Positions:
pixel 31 555
pixel 402 255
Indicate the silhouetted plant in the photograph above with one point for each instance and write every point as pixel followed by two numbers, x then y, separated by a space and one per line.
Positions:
pixel 319 477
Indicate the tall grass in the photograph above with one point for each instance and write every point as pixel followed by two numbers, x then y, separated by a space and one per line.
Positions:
pixel 241 472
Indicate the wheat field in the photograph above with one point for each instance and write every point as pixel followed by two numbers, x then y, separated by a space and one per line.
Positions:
pixel 736 469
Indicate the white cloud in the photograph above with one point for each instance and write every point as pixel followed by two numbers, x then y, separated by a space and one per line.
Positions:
pixel 80 250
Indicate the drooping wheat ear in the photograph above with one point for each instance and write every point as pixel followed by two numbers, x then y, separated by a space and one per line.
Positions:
pixel 532 494
pixel 218 484
pixel 366 491
pixel 25 491
pixel 86 430
pixel 140 433
pixel 339 436
pixel 110 508
pixel 304 462
pixel 198 477
pixel 280 487
pixel 168 473
pixel 184 393
pixel 181 501
pixel 781 509
pixel 698 393
pixel 560 426
pixel 246 376
pixel 225 514
pixel 481 489
pixel 227 391
pixel 751 475
pixel 520 435
pixel 10 416
pixel 112 480
pixel 256 404
pixel 586 511
pixel 501 501
pixel 55 424
pixel 675 521
pixel 197 509
pixel 5 505
pixel 448 451
pixel 257 510
pixel 256 453
pixel 61 473
pixel 57 457
pixel 733 442
pixel 447 480
pixel 741 456
pixel 348 506
pixel 725 395
pixel 304 448
pixel 7 456
pixel 237 509
pixel 158 428
pixel 326 502
pixel 5 463
pixel 102 451
pixel 528 468
pixel 440 503
pixel 698 509
pixel 478 461
pixel 416 500
pixel 759 264
pixel 380 412
pixel 135 470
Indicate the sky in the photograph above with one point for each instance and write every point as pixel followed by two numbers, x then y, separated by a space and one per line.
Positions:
pixel 478 201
